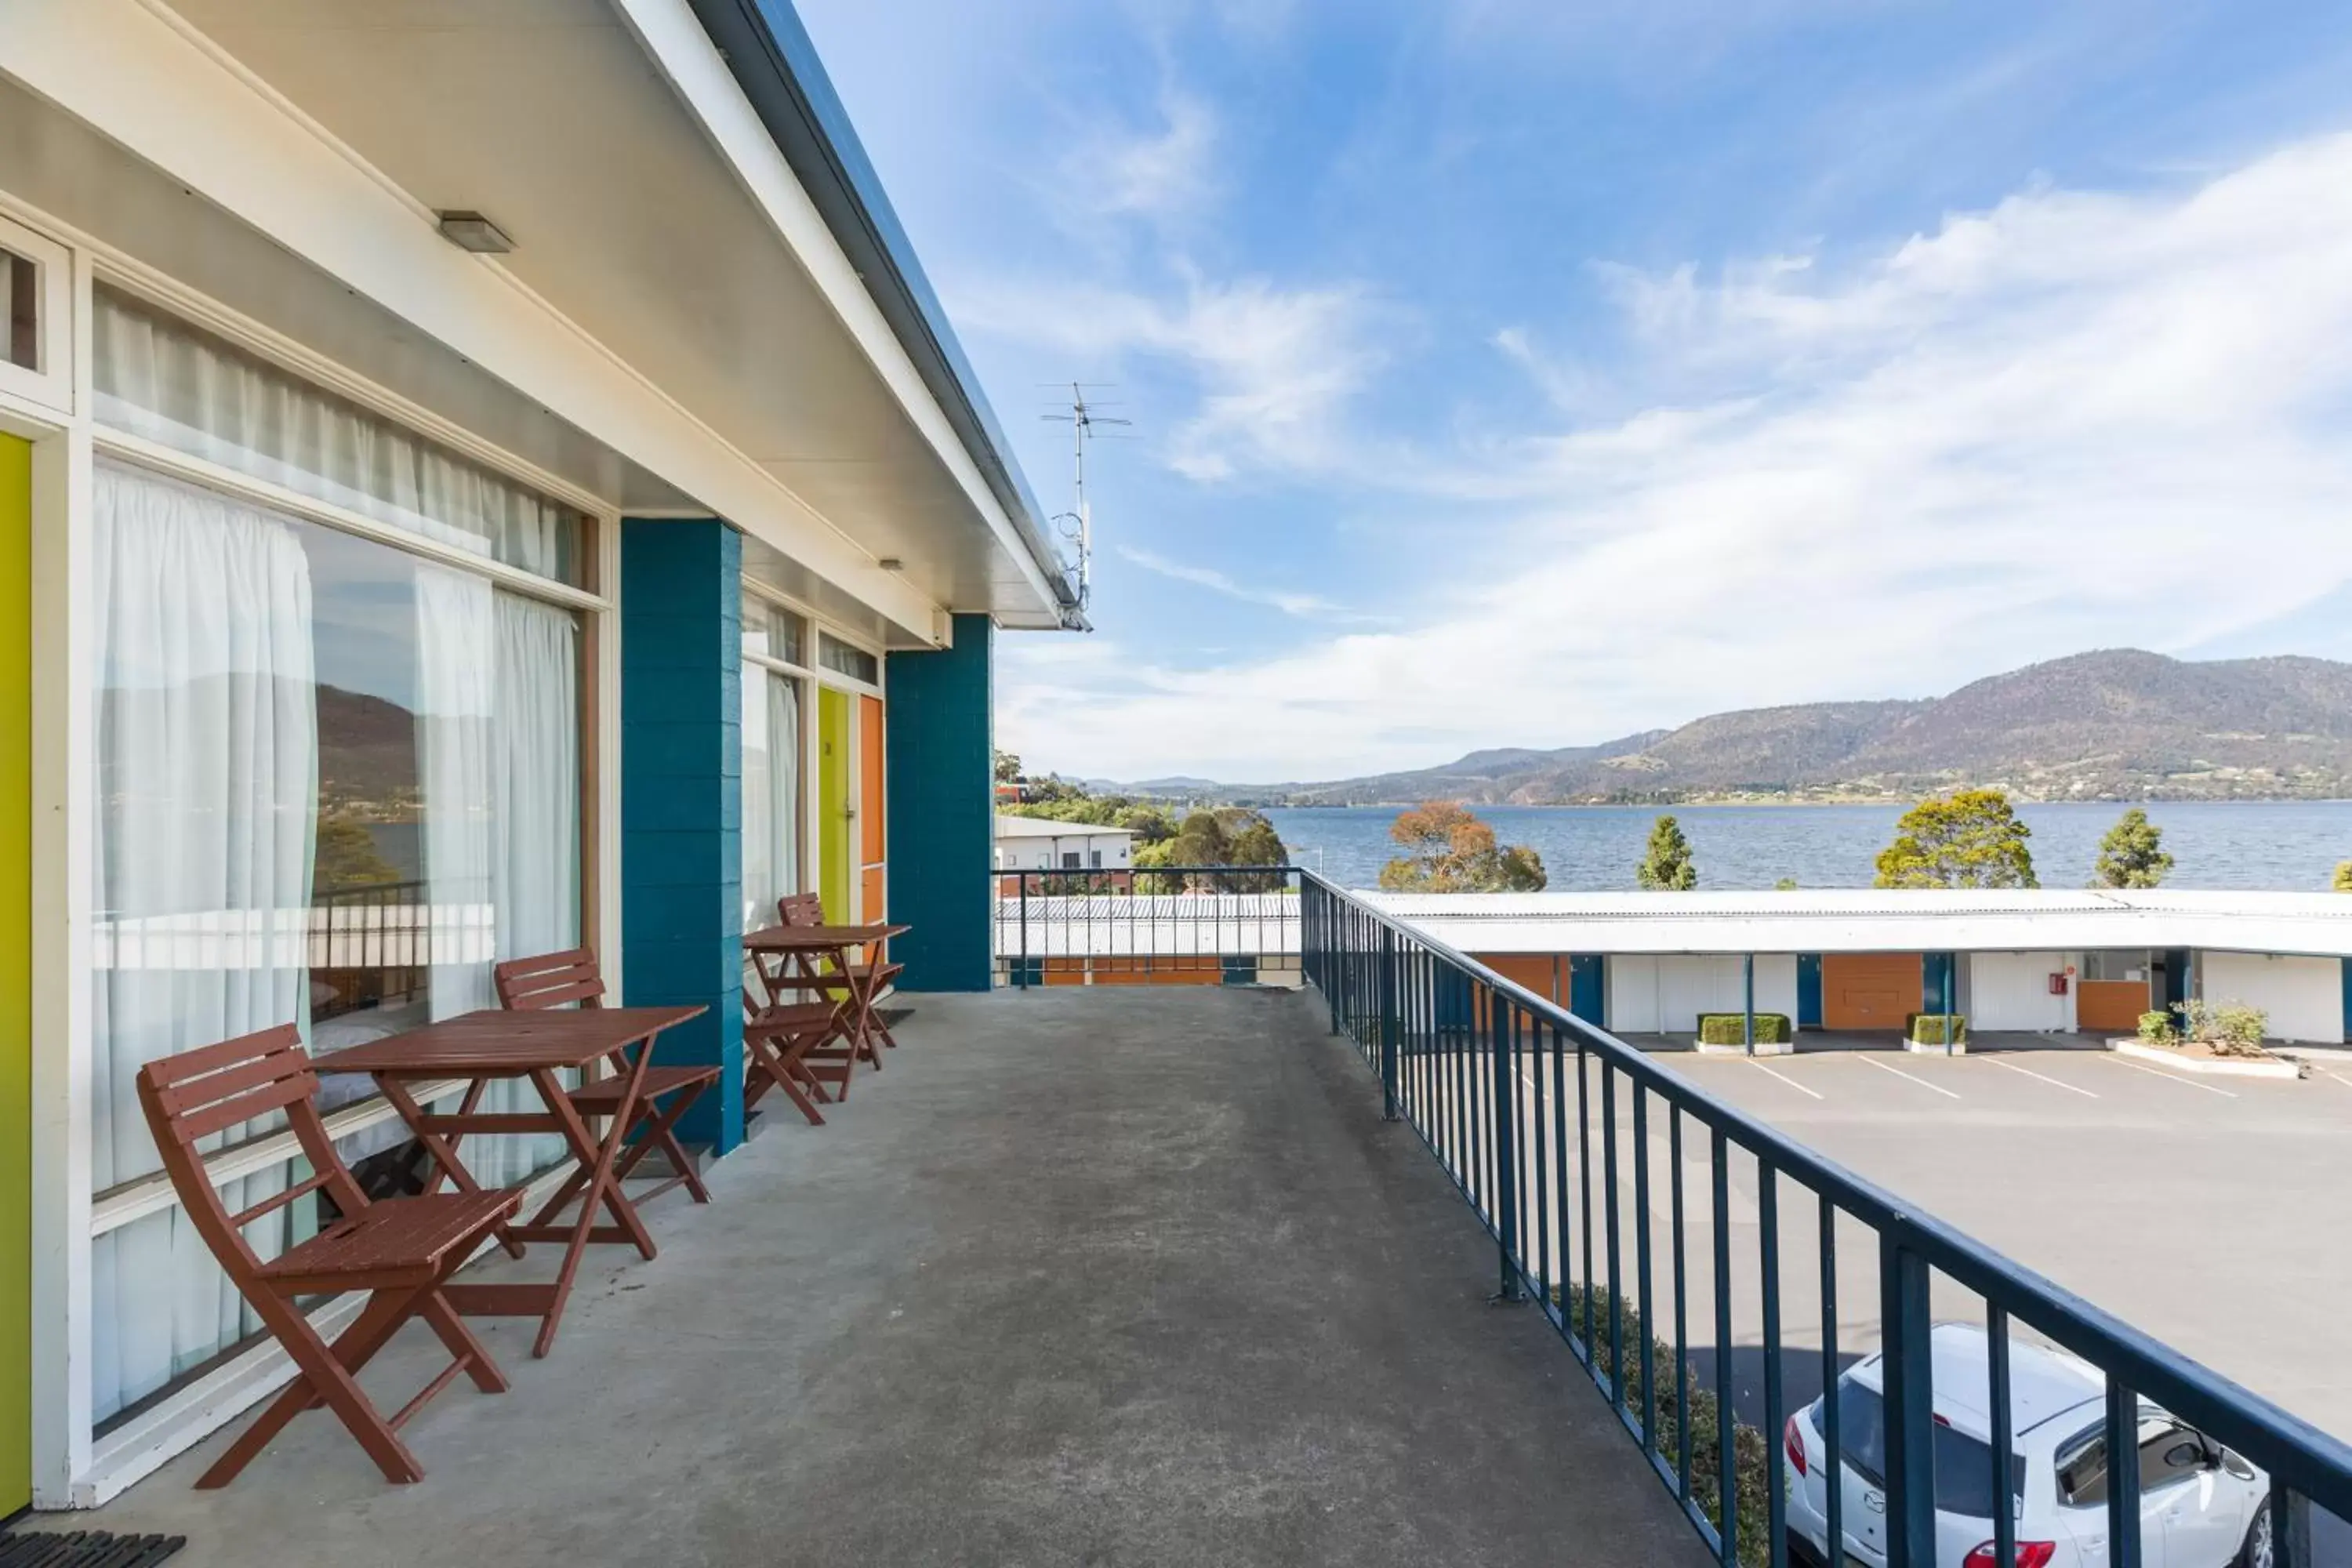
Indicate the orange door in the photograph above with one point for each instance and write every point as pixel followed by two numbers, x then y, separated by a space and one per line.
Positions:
pixel 1869 989
pixel 870 844
pixel 2110 1005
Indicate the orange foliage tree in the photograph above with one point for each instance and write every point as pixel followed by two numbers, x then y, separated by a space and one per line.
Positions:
pixel 1448 850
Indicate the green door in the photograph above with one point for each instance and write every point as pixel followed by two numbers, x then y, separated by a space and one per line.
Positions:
pixel 832 805
pixel 16 974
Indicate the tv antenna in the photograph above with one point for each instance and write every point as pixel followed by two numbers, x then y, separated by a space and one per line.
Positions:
pixel 1077 526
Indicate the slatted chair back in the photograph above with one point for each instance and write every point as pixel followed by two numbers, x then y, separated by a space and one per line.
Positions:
pixel 192 1095
pixel 801 910
pixel 550 980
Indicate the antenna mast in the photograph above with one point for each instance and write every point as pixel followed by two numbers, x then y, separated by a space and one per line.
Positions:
pixel 1078 526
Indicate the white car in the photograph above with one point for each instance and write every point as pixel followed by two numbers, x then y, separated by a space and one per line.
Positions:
pixel 2201 1506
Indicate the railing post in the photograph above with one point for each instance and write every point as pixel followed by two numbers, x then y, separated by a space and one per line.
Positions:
pixel 1909 1395
pixel 1506 1146
pixel 1390 1023
pixel 1022 968
pixel 2290 1527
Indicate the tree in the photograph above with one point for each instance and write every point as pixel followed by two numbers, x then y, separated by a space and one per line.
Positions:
pixel 1969 839
pixel 2343 883
pixel 1227 835
pixel 1666 865
pixel 1008 768
pixel 1785 885
pixel 347 857
pixel 2132 854
pixel 1448 850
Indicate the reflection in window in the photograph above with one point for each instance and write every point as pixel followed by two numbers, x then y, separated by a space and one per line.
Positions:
pixel 843 659
pixel 770 631
pixel 334 783
pixel 20 295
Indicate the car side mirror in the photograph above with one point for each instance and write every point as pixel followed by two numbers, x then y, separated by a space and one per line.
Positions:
pixel 2185 1455
pixel 2235 1462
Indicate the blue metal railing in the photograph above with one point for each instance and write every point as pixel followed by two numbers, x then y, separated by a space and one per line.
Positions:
pixel 1490 1076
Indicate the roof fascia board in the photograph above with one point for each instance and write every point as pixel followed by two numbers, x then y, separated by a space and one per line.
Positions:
pixel 165 91
pixel 748 71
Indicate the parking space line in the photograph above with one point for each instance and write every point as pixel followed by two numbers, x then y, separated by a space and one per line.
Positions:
pixel 1784 1078
pixel 2069 1088
pixel 1898 1072
pixel 2339 1077
pixel 2172 1077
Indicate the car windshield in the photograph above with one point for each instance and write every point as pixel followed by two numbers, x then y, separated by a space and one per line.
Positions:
pixel 1963 1464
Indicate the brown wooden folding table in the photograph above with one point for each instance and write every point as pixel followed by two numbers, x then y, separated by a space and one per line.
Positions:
pixel 495 1044
pixel 802 952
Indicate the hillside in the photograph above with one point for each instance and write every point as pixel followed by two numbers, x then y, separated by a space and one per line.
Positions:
pixel 2115 724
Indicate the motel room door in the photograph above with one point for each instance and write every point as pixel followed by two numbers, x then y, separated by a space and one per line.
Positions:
pixel 871 816
pixel 837 817
pixel 1870 990
pixel 15 975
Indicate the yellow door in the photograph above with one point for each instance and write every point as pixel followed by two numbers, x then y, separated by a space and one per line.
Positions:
pixel 870 813
pixel 834 850
pixel 15 975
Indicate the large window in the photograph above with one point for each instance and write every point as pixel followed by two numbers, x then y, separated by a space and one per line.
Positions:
pixel 158 377
pixel 772 758
pixel 334 783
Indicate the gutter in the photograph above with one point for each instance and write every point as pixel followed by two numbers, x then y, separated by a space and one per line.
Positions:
pixel 774 61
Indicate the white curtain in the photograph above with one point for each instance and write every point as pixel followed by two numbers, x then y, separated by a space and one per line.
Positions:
pixel 159 377
pixel 783 787
pixel 498 760
pixel 772 732
pixel 206 781
pixel 535 859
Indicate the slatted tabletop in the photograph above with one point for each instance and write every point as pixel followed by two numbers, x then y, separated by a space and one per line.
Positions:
pixel 817 939
pixel 494 1042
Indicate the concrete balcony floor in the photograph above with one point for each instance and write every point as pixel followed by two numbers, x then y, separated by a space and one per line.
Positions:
pixel 1102 1276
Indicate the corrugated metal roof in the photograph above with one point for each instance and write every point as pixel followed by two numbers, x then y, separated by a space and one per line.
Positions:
pixel 1881 921
pixel 1047 827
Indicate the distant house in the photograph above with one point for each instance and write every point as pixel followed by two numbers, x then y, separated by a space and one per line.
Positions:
pixel 1035 844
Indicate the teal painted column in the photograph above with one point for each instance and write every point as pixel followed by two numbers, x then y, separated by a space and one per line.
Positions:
pixel 682 799
pixel 940 737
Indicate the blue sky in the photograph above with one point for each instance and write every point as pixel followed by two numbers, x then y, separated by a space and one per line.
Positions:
pixel 1530 372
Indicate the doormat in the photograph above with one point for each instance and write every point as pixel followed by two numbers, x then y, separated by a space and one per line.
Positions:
pixel 86 1548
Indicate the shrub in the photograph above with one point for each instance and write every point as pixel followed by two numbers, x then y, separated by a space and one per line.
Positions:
pixel 2228 1028
pixel 1587 1311
pixel 1731 1028
pixel 1927 1029
pixel 2155 1028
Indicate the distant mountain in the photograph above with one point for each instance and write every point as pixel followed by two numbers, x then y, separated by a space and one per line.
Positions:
pixel 2115 724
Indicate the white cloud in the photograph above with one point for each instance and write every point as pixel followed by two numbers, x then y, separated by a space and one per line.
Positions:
pixel 1307 607
pixel 1275 368
pixel 1164 175
pixel 2074 420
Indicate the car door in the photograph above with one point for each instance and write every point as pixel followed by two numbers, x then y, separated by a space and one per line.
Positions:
pixel 2200 1507
pixel 2081 1462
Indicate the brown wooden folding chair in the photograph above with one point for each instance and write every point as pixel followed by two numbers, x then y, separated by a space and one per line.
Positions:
pixel 808 910
pixel 401 1249
pixel 550 980
pixel 778 1037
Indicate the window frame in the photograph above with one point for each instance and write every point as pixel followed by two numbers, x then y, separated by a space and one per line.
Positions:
pixel 52 385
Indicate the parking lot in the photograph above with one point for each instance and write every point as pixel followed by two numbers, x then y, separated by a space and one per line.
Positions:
pixel 2211 1211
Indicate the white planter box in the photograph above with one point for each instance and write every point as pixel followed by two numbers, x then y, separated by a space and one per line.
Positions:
pixel 2221 1068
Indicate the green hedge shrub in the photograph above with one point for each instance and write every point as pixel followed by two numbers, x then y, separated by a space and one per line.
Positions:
pixel 1731 1028
pixel 1927 1029
pixel 2156 1029
pixel 1753 1458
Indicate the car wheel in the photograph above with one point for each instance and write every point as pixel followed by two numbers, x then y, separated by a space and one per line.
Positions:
pixel 2256 1551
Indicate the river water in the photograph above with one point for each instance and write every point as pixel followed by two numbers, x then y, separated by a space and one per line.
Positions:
pixel 2289 845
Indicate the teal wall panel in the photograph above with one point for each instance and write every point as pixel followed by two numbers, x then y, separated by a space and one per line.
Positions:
pixel 681 799
pixel 940 737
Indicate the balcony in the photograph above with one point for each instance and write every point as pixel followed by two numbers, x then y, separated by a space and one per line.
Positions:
pixel 1377 1257
pixel 1083 1276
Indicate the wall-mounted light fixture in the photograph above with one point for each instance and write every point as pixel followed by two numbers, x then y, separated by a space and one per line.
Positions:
pixel 891 564
pixel 472 231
